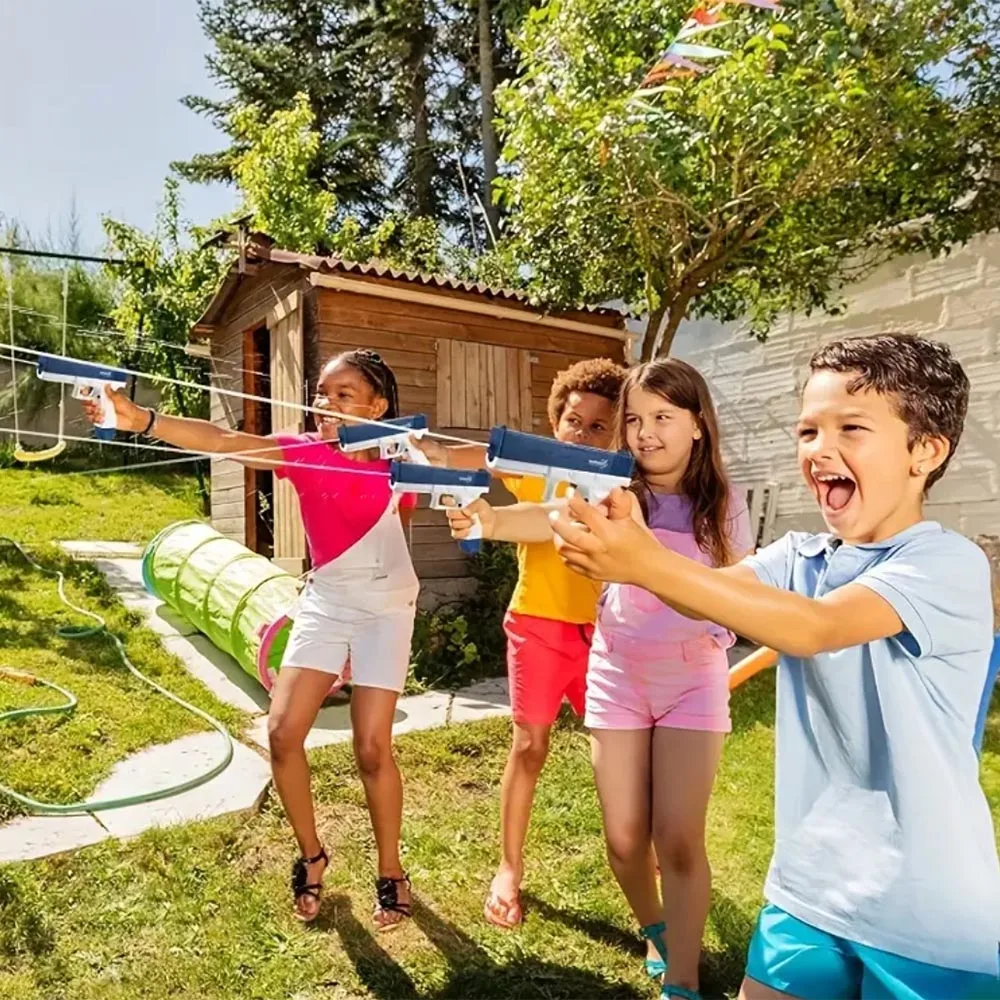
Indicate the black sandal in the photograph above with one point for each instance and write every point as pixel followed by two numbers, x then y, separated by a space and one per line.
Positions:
pixel 302 888
pixel 387 893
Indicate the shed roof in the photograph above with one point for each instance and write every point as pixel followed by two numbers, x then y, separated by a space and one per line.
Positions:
pixel 260 249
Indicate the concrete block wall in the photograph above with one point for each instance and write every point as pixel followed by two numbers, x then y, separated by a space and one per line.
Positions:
pixel 954 298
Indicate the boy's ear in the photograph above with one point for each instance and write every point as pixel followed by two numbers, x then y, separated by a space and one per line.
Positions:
pixel 928 454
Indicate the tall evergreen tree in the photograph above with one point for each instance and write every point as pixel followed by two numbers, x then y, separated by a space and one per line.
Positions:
pixel 266 52
pixel 401 92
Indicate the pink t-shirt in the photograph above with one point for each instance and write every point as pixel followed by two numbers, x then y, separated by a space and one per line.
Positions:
pixel 339 506
pixel 634 613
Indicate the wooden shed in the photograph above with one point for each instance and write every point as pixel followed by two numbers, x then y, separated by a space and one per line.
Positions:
pixel 466 355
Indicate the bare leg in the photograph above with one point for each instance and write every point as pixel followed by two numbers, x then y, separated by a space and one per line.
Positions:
pixel 372 711
pixel 529 749
pixel 684 765
pixel 295 701
pixel 621 759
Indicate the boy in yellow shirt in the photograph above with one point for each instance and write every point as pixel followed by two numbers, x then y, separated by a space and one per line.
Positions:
pixel 550 619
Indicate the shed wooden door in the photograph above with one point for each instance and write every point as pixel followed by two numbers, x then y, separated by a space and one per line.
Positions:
pixel 481 385
pixel 287 386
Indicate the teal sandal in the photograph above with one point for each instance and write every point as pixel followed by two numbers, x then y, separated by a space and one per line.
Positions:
pixel 679 991
pixel 656 967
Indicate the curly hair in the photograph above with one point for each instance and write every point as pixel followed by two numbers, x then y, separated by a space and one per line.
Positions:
pixel 601 376
pixel 928 386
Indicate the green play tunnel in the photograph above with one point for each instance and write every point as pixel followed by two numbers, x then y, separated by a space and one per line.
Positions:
pixel 239 599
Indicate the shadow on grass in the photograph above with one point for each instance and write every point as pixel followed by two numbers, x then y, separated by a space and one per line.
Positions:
pixel 597 930
pixel 722 969
pixel 473 972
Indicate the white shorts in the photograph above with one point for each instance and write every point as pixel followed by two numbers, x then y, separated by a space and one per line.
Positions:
pixel 360 633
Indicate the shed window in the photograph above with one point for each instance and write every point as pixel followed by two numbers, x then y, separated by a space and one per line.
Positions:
pixel 481 385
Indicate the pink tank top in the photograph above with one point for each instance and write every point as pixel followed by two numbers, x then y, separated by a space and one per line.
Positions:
pixel 342 501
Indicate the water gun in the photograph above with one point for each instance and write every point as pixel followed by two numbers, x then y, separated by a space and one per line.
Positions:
pixel 391 443
pixel 88 381
pixel 593 472
pixel 461 486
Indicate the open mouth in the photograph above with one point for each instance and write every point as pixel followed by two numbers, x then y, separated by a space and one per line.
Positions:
pixel 835 491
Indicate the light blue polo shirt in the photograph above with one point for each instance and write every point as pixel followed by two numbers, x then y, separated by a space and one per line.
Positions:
pixel 882 832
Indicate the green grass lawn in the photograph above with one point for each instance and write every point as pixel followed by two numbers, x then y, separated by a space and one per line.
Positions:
pixel 203 912
pixel 42 506
pixel 62 758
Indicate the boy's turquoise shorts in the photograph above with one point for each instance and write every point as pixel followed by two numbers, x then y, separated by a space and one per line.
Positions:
pixel 796 958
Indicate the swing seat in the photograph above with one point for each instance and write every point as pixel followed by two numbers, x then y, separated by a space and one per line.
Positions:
pixel 21 455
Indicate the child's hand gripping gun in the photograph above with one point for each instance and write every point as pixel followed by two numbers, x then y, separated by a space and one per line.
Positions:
pixel 593 472
pixel 88 381
pixel 391 443
pixel 461 486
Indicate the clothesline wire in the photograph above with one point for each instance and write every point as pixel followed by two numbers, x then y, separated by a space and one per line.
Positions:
pixel 257 399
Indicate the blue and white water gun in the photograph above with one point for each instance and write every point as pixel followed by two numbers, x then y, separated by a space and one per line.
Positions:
pixel 88 381
pixel 593 472
pixel 461 486
pixel 391 443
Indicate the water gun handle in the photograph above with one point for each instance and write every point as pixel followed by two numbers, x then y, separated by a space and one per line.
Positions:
pixel 472 543
pixel 105 430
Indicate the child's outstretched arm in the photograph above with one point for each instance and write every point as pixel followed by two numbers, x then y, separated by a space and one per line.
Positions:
pixel 613 544
pixel 459 456
pixel 519 522
pixel 187 432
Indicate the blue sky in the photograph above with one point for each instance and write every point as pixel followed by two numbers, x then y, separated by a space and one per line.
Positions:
pixel 90 111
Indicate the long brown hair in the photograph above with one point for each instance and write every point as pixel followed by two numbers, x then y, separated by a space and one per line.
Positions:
pixel 704 482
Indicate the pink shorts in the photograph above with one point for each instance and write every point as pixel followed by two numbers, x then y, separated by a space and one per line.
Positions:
pixel 636 684
pixel 546 661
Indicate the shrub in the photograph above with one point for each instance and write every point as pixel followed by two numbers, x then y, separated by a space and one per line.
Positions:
pixel 463 641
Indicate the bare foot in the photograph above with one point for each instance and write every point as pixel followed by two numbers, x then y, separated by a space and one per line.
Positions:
pixel 394 901
pixel 503 904
pixel 307 904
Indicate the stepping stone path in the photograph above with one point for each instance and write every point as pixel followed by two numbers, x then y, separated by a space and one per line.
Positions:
pixel 241 787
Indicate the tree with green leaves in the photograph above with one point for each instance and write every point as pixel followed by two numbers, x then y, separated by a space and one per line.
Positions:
pixel 401 93
pixel 268 51
pixel 831 137
pixel 274 173
pixel 36 294
pixel 162 286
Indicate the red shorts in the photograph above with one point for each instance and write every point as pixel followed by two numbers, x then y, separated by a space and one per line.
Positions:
pixel 546 661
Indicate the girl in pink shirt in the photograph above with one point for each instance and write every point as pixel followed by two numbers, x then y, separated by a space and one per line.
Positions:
pixel 657 701
pixel 354 619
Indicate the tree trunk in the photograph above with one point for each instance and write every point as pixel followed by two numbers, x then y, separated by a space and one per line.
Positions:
pixel 652 329
pixel 487 85
pixel 423 164
pixel 673 321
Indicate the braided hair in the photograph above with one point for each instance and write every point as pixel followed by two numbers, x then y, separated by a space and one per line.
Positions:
pixel 378 375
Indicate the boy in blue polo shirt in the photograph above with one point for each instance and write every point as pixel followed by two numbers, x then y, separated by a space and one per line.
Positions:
pixel 885 881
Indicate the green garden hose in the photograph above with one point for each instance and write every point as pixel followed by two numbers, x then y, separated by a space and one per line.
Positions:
pixel 86 632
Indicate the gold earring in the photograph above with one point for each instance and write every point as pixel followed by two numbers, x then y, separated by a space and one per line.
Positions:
pixel 920 469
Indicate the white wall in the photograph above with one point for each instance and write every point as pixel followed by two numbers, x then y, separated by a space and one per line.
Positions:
pixel 756 386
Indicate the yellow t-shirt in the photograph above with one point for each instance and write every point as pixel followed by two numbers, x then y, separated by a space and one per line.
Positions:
pixel 545 587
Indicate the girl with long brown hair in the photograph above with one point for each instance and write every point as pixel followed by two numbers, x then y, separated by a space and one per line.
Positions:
pixel 657 698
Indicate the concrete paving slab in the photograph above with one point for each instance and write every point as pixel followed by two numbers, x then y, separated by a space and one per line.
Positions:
pixel 219 672
pixel 481 701
pixel 28 838
pixel 102 550
pixel 125 576
pixel 238 789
